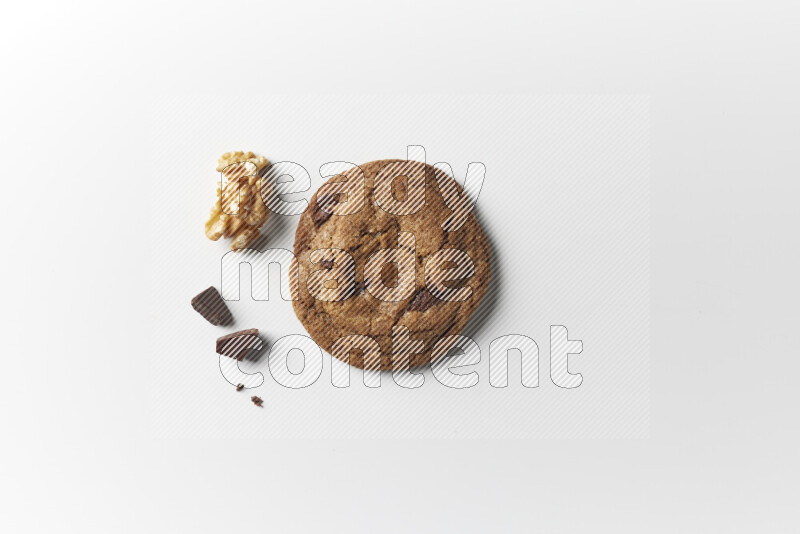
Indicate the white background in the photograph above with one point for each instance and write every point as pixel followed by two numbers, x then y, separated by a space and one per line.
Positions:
pixel 78 453
pixel 565 204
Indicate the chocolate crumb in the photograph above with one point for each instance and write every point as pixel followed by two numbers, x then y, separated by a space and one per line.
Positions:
pixel 257 401
pixel 326 264
pixel 210 305
pixel 423 301
pixel 239 387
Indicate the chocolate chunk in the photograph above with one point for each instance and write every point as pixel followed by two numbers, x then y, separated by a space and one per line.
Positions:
pixel 210 305
pixel 327 202
pixel 237 344
pixel 258 401
pixel 423 301
pixel 326 264
pixel 239 387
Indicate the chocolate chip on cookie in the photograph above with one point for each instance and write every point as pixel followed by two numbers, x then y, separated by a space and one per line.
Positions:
pixel 423 301
pixel 359 288
pixel 323 204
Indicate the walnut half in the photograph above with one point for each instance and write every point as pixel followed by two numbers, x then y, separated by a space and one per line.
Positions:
pixel 244 211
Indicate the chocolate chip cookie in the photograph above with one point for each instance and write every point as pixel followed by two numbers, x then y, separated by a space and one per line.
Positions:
pixel 355 245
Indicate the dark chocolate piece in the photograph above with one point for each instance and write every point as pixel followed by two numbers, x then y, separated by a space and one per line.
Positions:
pixel 210 305
pixel 258 401
pixel 237 344
pixel 239 387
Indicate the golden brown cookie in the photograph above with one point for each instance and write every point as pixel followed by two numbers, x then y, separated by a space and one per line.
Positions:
pixel 333 309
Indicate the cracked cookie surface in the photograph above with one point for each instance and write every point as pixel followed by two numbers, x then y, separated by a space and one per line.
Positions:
pixel 370 230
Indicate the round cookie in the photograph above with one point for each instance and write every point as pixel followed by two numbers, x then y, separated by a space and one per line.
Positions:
pixel 367 231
